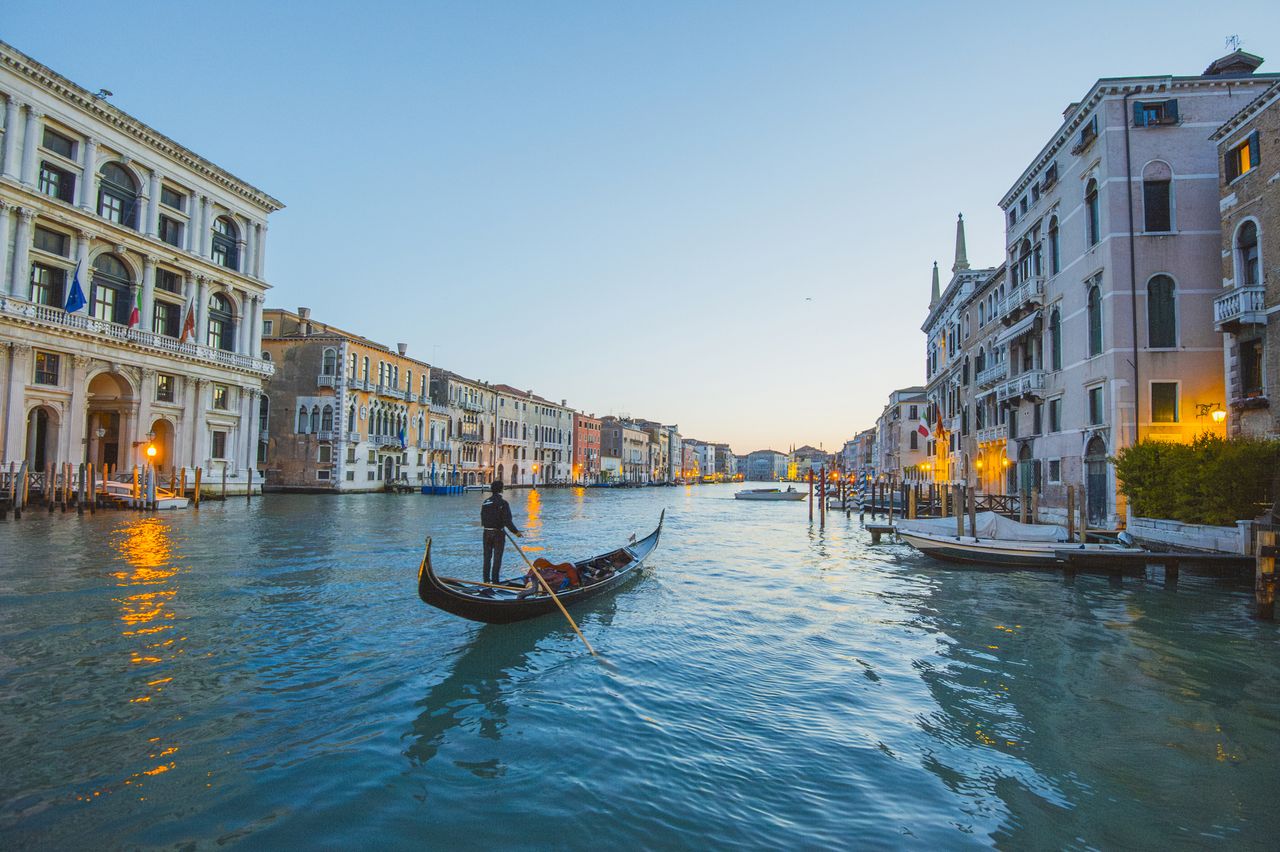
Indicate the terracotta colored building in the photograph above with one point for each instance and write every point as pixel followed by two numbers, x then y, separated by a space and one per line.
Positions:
pixel 586 448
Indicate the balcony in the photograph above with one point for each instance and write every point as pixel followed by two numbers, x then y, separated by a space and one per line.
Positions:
pixel 468 405
pixel 326 435
pixel 438 408
pixel 382 441
pixel 361 384
pixel 471 437
pixel 1028 294
pixel 1240 306
pixel 326 381
pixel 1030 383
pixel 991 375
pixel 81 325
pixel 437 446
pixel 992 433
pixel 468 465
pixel 354 437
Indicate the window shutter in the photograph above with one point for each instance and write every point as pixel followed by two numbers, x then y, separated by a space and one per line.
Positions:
pixel 1171 111
pixel 1138 115
pixel 1254 159
pixel 1229 164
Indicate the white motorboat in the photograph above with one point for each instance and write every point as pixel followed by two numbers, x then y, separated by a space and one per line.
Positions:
pixel 791 494
pixel 996 541
pixel 122 492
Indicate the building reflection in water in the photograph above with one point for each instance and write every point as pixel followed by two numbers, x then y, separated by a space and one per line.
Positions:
pixel 148 591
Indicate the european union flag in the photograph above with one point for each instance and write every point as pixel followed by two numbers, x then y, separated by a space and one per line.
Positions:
pixel 75 296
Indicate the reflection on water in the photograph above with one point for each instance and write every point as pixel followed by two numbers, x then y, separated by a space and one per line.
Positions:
pixel 266 672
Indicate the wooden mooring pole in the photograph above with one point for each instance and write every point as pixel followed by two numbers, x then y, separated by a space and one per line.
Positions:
pixel 911 504
pixel 972 500
pixel 1265 579
pixel 957 492
pixel 197 487
pixel 1071 513
pixel 248 491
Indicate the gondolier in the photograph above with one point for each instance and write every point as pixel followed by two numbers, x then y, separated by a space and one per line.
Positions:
pixel 495 516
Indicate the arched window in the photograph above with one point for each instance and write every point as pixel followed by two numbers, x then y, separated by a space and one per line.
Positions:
pixel 118 195
pixel 326 419
pixel 1247 256
pixel 1162 320
pixel 302 420
pixel 110 300
pixel 1157 198
pixel 315 418
pixel 329 362
pixel 1055 339
pixel 1055 255
pixel 1095 321
pixel 421 428
pixel 264 405
pixel 1093 222
pixel 351 419
pixel 224 243
pixel 980 363
pixel 222 326
pixel 366 368
pixel 982 314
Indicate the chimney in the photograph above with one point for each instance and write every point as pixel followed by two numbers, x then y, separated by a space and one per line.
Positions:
pixel 402 348
pixel 304 321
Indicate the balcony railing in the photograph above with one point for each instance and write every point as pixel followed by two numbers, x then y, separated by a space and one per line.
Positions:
pixel 468 465
pixel 50 316
pixel 438 408
pixel 468 405
pixel 326 435
pixel 361 384
pixel 1029 292
pixel 1030 383
pixel 991 375
pixel 473 437
pixel 326 381
pixel 385 440
pixel 1240 306
pixel 438 445
pixel 354 437
pixel 992 433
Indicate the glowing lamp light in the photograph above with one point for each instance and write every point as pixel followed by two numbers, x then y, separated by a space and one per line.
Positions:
pixel 978 463
pixel 1218 415
pixel 151 451
pixel 1005 461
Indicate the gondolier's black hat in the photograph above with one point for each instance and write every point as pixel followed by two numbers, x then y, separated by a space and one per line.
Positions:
pixel 496 487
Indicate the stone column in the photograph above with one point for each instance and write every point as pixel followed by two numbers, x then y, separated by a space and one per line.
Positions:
pixel 241 451
pixel 242 251
pixel 255 408
pixel 145 397
pixel 21 254
pixel 247 258
pixel 202 310
pixel 15 404
pixel 240 337
pixel 77 413
pixel 4 247
pixel 148 292
pixel 13 107
pixel 206 226
pixel 89 175
pixel 261 261
pixel 153 205
pixel 194 239
pixel 30 142
pixel 256 350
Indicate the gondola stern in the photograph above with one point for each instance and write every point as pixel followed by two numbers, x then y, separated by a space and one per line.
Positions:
pixel 425 573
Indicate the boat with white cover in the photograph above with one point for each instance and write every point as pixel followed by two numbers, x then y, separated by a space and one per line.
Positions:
pixel 996 541
pixel 791 494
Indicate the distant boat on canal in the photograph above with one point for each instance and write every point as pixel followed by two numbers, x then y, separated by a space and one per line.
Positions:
pixel 791 494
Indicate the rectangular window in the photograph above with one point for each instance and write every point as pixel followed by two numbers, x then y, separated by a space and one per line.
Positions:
pixel 1055 471
pixel 219 450
pixel 164 387
pixel 1013 422
pixel 1243 158
pixel 59 144
pixel 1037 419
pixel 168 281
pixel 171 231
pixel 46 368
pixel 351 455
pixel 351 476
pixel 221 394
pixel 1164 402
pixel 104 304
pixel 324 453
pixel 164 320
pixel 915 440
pixel 112 208
pixel 268 326
pixel 1251 367
pixel 1095 405
pixel 57 183
pixel 1154 113
pixel 370 476
pixel 171 198
pixel 47 285
pixel 1155 205
pixel 322 475
pixel 373 456
pixel 52 241
pixel 1055 415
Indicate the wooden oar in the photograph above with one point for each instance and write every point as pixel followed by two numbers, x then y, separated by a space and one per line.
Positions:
pixel 554 597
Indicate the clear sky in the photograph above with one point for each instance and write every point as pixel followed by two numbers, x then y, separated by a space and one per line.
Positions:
pixel 718 214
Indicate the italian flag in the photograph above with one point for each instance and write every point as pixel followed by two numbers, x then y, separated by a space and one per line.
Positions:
pixel 135 315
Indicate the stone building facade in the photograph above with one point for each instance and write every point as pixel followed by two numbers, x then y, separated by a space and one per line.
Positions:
pixel 1112 239
pixel 469 409
pixel 344 413
pixel 1247 311
pixel 901 447
pixel 168 250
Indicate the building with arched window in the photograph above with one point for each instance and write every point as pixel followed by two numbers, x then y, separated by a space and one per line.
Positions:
pixel 360 433
pixel 1247 311
pixel 163 350
pixel 1124 192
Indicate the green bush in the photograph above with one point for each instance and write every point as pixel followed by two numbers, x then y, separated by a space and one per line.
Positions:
pixel 1209 481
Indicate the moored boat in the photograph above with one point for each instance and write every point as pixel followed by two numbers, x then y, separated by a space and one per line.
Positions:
pixel 790 494
pixel 508 601
pixel 999 542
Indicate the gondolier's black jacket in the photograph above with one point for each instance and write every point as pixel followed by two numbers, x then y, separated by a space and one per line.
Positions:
pixel 495 513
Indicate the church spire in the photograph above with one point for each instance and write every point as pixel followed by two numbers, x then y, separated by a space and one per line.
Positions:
pixel 937 292
pixel 962 257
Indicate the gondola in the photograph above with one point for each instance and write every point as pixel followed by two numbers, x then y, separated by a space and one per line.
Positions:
pixel 601 574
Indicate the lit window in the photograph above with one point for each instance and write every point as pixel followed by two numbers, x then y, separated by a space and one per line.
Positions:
pixel 1243 158
pixel 46 368
pixel 164 387
pixel 220 397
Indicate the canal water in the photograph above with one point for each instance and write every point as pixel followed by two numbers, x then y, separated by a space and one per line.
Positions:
pixel 265 674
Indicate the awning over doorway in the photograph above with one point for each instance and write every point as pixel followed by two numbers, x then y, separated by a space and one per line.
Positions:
pixel 1018 329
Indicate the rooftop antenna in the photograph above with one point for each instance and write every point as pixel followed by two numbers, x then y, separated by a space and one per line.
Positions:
pixel 1233 43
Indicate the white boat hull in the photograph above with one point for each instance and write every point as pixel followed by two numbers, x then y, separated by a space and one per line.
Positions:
pixel 776 496
pixel 1001 553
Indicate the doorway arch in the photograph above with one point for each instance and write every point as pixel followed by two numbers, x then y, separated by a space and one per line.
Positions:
pixel 1095 465
pixel 163 441
pixel 42 437
pixel 107 428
